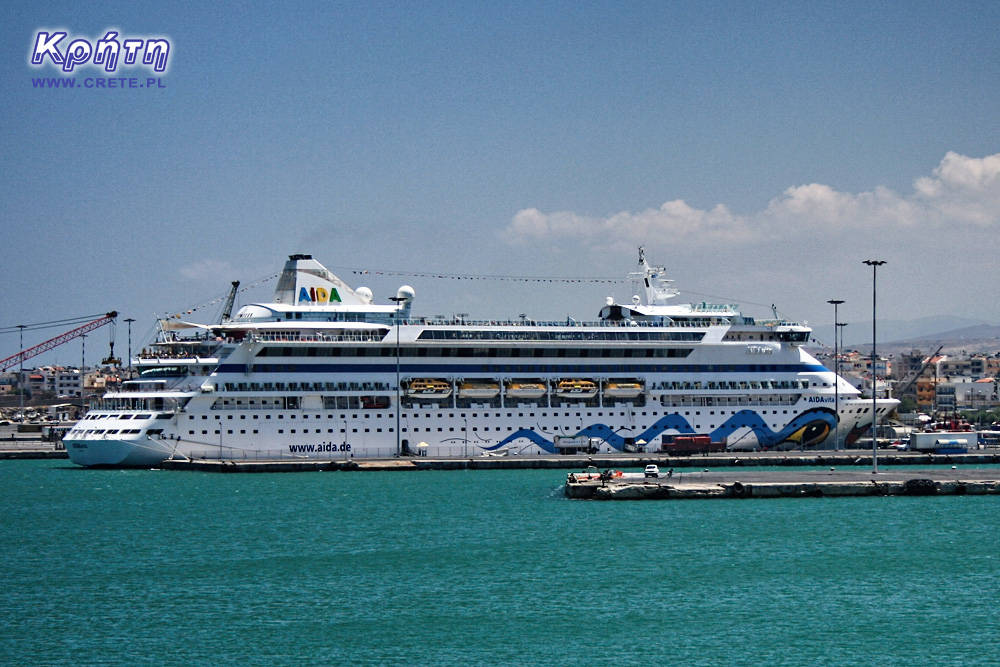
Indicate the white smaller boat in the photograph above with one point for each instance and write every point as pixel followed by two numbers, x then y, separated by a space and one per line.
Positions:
pixel 529 390
pixel 481 390
pixel 618 389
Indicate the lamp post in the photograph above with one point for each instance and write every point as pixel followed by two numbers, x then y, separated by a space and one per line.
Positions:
pixel 874 263
pixel 20 379
pixel 836 375
pixel 840 330
pixel 129 320
pixel 397 300
pixel 83 383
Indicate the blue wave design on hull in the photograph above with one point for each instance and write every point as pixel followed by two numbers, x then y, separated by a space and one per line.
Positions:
pixel 808 428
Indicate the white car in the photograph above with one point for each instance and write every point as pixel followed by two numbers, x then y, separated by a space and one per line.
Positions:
pixel 652 471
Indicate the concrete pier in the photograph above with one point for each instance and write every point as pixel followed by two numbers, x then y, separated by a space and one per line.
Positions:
pixel 790 484
pixel 851 459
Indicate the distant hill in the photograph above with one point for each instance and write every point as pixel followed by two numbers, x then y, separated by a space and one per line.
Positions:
pixel 957 336
pixel 976 339
pixel 858 334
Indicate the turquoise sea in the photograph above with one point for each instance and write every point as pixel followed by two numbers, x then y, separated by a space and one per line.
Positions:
pixel 107 567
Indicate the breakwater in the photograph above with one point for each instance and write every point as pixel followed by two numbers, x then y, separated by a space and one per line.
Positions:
pixel 789 483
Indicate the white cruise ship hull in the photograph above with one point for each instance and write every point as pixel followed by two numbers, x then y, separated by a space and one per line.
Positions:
pixel 117 453
pixel 293 380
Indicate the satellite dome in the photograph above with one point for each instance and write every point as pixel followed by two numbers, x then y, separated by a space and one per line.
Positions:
pixel 405 292
pixel 364 293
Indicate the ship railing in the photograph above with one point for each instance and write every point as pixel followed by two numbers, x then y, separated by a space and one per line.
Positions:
pixel 186 356
pixel 374 336
pixel 724 308
pixel 707 318
pixel 774 323
pixel 569 322
pixel 740 400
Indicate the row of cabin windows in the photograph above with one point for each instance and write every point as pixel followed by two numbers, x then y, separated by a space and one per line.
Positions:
pixel 540 352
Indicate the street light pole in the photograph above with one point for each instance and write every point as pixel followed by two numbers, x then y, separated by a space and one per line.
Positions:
pixel 20 379
pixel 129 320
pixel 397 300
pixel 83 376
pixel 840 331
pixel 836 375
pixel 874 263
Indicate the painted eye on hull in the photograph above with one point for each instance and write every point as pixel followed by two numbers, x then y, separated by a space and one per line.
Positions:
pixel 811 434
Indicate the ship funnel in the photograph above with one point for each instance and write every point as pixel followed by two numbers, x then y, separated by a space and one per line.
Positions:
pixel 306 282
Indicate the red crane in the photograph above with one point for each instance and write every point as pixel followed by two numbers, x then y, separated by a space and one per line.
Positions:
pixel 21 356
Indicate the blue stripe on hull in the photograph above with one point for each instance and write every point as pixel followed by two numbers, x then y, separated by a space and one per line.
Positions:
pixel 807 429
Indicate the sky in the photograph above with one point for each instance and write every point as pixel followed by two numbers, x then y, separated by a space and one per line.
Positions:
pixel 760 151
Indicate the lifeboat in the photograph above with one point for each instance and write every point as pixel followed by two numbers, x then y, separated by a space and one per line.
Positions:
pixel 525 390
pixel 622 389
pixel 576 389
pixel 428 389
pixel 484 390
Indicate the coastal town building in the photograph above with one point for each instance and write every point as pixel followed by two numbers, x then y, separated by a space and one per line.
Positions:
pixel 934 382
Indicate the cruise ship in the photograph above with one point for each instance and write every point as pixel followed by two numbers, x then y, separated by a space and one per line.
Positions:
pixel 323 372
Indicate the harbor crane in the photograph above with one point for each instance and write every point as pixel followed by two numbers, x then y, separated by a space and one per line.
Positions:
pixel 915 376
pixel 108 318
pixel 227 309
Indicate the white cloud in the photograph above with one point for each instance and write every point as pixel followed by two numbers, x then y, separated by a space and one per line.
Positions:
pixel 961 193
pixel 674 220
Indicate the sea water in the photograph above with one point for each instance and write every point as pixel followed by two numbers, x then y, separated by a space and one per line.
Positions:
pixel 142 567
